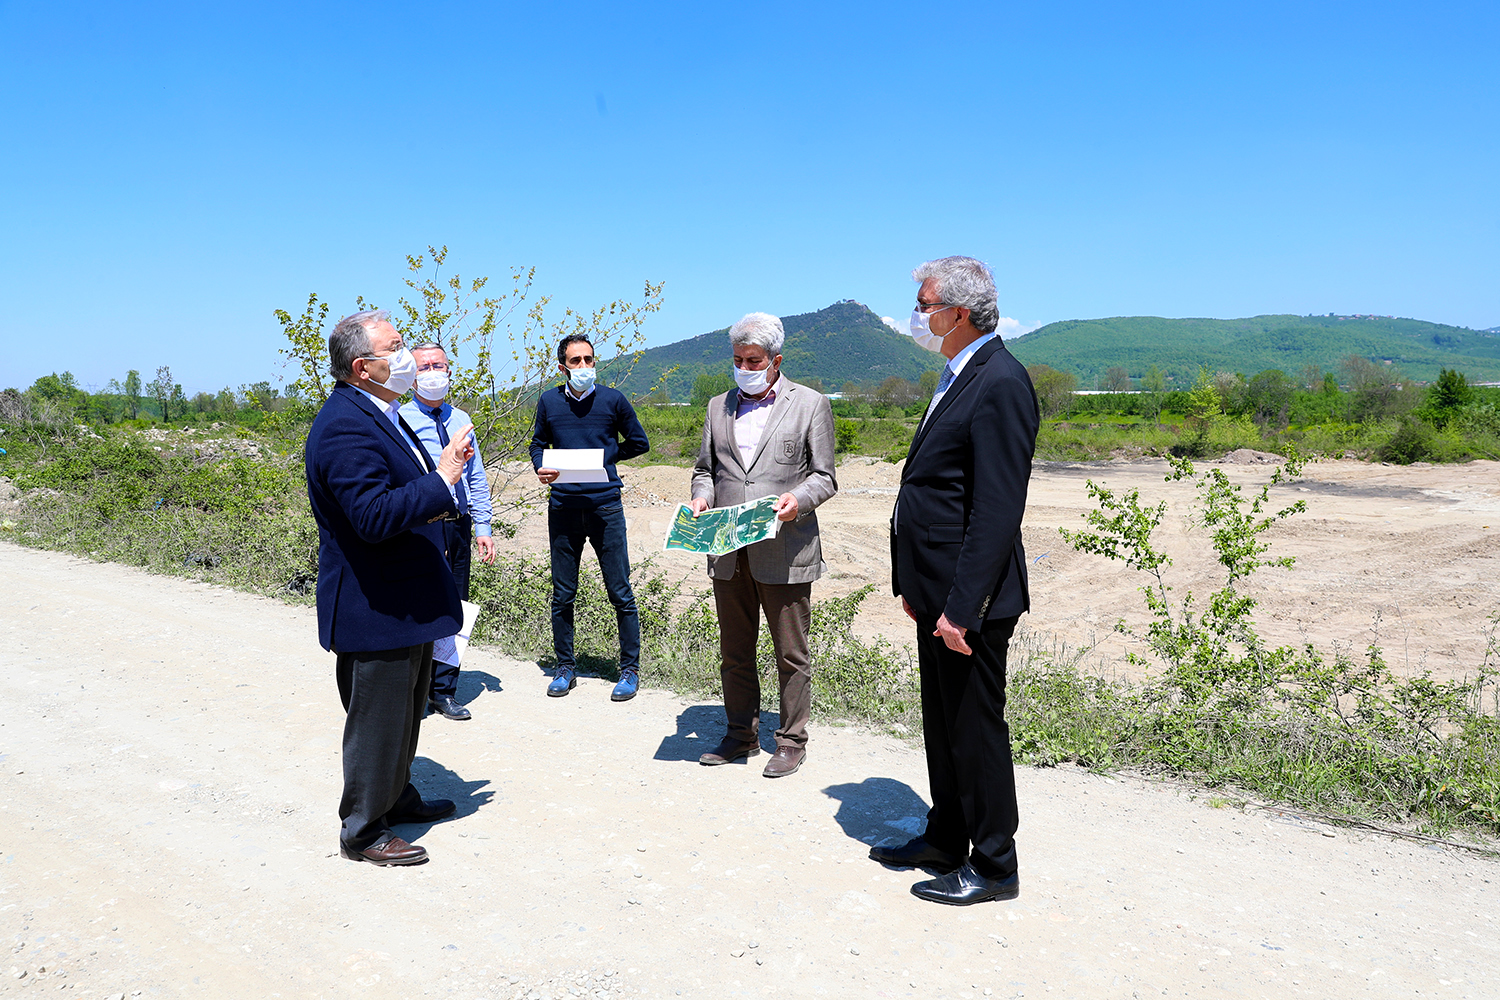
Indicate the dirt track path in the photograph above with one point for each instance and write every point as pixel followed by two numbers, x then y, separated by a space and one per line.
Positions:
pixel 169 775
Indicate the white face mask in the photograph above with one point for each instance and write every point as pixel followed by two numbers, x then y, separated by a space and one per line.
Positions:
pixel 432 384
pixel 581 379
pixel 922 333
pixel 403 372
pixel 753 383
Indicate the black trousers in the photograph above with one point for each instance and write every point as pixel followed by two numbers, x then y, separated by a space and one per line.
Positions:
pixel 969 767
pixel 457 537
pixel 385 695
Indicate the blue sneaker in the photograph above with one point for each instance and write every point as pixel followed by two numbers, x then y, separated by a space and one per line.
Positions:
pixel 563 681
pixel 625 690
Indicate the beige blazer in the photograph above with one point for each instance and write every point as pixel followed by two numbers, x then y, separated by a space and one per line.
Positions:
pixel 795 456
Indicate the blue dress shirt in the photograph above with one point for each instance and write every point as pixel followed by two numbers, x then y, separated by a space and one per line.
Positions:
pixel 476 484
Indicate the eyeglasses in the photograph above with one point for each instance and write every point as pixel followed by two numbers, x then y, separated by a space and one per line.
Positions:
pixel 928 307
pixel 433 366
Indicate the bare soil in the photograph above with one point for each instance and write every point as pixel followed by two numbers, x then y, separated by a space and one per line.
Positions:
pixel 169 780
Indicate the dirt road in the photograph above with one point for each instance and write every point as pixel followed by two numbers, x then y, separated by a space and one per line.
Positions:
pixel 169 776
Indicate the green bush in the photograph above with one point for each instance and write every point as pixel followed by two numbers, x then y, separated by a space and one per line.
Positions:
pixel 1347 735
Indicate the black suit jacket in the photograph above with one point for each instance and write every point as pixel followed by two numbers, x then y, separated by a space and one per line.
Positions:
pixel 956 530
pixel 383 579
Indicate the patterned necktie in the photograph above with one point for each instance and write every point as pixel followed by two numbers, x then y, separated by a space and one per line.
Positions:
pixel 945 381
pixel 462 494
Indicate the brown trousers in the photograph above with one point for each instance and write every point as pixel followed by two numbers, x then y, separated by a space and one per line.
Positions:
pixel 788 608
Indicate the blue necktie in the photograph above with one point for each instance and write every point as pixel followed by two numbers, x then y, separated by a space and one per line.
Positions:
pixel 945 381
pixel 461 494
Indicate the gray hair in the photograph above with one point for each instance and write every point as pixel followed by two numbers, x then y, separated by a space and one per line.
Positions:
pixel 350 339
pixel 968 283
pixel 758 330
pixel 429 346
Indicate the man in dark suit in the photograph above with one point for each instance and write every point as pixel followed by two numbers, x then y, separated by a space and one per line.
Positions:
pixel 384 588
pixel 960 571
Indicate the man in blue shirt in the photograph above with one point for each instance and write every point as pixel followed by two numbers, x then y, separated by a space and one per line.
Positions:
pixel 435 423
pixel 580 414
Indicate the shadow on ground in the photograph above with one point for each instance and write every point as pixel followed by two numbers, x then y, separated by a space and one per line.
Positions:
pixel 435 781
pixel 701 727
pixel 473 683
pixel 879 810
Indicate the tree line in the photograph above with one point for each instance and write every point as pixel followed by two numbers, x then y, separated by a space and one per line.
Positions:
pixel 57 398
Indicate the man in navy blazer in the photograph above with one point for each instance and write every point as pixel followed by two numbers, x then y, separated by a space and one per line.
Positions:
pixel 384 588
pixel 960 571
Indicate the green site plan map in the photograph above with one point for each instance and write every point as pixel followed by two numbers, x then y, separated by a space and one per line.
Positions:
pixel 720 530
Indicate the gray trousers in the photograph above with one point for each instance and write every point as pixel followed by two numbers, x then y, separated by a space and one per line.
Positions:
pixel 788 607
pixel 385 695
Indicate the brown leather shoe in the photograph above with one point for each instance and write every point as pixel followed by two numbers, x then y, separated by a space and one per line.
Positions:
pixel 729 749
pixel 391 852
pixel 784 761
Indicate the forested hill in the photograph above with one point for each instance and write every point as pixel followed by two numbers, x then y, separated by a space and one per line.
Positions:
pixel 1177 347
pixel 845 342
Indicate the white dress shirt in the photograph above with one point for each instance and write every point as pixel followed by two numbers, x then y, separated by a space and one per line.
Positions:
pixel 956 366
pixel 750 422
pixel 392 411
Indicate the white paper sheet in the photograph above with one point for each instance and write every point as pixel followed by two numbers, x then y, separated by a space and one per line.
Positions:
pixel 576 465
pixel 461 641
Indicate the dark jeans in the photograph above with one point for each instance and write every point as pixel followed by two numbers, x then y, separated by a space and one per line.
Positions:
pixel 602 527
pixel 457 536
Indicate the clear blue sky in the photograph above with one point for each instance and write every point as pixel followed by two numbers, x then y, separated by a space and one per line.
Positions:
pixel 171 173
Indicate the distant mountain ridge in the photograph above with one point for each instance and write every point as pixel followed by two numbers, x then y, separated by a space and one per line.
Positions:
pixel 845 342
pixel 1177 347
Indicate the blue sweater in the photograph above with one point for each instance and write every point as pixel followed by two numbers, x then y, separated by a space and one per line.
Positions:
pixel 598 420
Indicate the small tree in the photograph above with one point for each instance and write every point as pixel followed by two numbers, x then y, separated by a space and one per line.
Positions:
pixel 1447 397
pixel 927 384
pixel 161 391
pixel 502 356
pixel 133 392
pixel 1155 385
pixel 1269 397
pixel 1054 389
pixel 895 391
pixel 710 384
pixel 1116 379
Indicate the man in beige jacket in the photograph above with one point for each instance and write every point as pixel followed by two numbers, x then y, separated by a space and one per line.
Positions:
pixel 768 436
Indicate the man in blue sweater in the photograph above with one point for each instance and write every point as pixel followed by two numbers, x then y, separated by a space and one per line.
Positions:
pixel 580 414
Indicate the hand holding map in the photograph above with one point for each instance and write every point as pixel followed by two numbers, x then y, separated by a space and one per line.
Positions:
pixel 720 530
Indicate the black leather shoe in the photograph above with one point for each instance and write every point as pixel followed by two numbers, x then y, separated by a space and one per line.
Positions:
pixel 967 886
pixel 427 812
pixel 451 709
pixel 917 853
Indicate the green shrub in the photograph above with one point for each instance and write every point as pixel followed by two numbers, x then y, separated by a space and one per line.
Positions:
pixel 1346 735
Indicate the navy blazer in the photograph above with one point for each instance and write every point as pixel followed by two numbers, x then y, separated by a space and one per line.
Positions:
pixel 956 530
pixel 383 579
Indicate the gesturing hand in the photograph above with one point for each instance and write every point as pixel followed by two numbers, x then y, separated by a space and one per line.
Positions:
pixel 454 457
pixel 697 505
